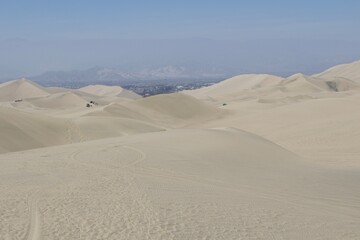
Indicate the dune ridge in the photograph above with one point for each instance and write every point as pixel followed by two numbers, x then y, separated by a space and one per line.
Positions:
pixel 349 71
pixel 20 89
pixel 109 91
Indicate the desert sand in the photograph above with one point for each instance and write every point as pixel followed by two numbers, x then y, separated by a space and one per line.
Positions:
pixel 252 157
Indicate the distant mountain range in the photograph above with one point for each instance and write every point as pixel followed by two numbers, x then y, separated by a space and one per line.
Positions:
pixel 115 76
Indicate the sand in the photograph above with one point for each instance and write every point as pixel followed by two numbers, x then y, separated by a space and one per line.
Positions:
pixel 135 188
pixel 109 91
pixel 230 88
pixel 20 89
pixel 279 160
pixel 349 71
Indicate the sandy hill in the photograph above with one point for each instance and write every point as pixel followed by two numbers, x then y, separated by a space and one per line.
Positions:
pixel 20 131
pixel 349 71
pixel 168 110
pixel 20 89
pixel 272 89
pixel 230 88
pixel 325 130
pixel 175 109
pixel 53 90
pixel 27 130
pixel 301 83
pixel 61 100
pixel 102 95
pixel 280 160
pixel 109 91
pixel 120 111
pixel 97 127
pixel 184 184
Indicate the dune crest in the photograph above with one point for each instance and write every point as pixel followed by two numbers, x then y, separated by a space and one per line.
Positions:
pixel 349 71
pixel 62 100
pixel 109 91
pixel 20 89
pixel 231 87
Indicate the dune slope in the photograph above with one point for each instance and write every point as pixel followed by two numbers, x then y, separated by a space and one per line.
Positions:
pixel 349 71
pixel 20 131
pixel 109 91
pixel 62 100
pixel 321 129
pixel 177 166
pixel 20 89
pixel 220 183
pixel 175 110
pixel 230 88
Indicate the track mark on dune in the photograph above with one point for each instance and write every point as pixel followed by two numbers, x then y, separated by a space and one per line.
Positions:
pixel 34 227
pixel 142 155
pixel 74 133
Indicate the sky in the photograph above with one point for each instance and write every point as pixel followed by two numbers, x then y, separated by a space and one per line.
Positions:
pixel 275 36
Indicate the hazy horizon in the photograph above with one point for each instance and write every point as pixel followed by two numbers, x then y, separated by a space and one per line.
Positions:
pixel 233 37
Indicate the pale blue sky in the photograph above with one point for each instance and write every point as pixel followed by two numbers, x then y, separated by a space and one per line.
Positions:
pixel 228 19
pixel 324 32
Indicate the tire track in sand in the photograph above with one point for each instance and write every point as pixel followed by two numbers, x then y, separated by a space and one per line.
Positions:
pixel 34 232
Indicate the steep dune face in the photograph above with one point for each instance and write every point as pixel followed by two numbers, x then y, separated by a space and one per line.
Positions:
pixel 62 100
pixel 324 130
pixel 175 109
pixel 20 131
pixel 272 89
pixel 231 88
pixel 169 110
pixel 349 71
pixel 342 84
pixel 109 91
pixel 120 111
pixel 20 89
pixel 301 83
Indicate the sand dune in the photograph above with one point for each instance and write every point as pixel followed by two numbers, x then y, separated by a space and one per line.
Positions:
pixel 349 71
pixel 58 89
pixel 120 111
pixel 307 84
pixel 109 91
pixel 278 160
pixel 170 110
pixel 106 127
pixel 62 100
pixel 175 110
pixel 20 131
pixel 231 88
pixel 268 88
pixel 20 89
pixel 324 130
pixel 301 83
pixel 236 185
